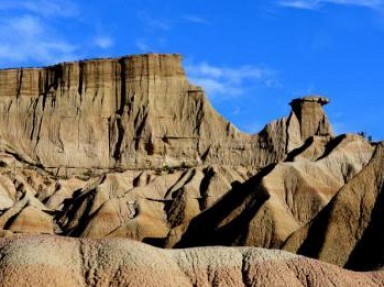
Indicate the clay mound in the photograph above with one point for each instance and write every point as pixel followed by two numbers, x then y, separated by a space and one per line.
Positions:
pixel 172 207
pixel 144 205
pixel 57 261
pixel 162 207
pixel 266 209
pixel 348 232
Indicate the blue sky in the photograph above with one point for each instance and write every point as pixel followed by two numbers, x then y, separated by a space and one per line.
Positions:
pixel 252 57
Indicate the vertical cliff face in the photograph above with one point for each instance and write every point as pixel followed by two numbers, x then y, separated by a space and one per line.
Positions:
pixel 132 112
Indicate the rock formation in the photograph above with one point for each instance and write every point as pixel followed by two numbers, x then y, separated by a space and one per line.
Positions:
pixel 133 112
pixel 268 207
pixel 50 261
pixel 348 231
pixel 307 119
pixel 128 148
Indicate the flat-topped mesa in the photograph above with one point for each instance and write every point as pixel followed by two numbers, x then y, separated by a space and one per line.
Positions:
pixel 130 112
pixel 134 112
pixel 91 73
pixel 307 119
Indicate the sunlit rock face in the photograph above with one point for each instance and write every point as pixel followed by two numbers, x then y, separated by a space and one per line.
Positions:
pixel 307 119
pixel 129 148
pixel 134 112
pixel 137 111
pixel 50 261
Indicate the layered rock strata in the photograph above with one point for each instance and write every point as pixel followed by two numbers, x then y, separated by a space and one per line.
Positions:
pixel 348 232
pixel 133 112
pixel 129 148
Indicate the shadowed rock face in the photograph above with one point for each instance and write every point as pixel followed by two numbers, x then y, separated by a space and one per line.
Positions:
pixel 348 232
pixel 128 148
pixel 50 261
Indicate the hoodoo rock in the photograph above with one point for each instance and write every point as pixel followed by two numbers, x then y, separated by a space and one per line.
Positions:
pixel 307 119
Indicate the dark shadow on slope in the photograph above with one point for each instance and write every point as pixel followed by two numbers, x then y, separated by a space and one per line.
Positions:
pixel 72 211
pixel 291 156
pixel 369 252
pixel 314 241
pixel 210 228
pixel 209 173
pixel 155 241
pixel 332 145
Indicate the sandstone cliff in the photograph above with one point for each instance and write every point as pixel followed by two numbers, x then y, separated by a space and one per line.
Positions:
pixel 133 112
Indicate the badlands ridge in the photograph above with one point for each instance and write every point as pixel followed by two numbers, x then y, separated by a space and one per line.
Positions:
pixel 108 151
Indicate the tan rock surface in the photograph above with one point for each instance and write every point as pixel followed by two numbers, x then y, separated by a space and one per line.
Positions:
pixel 348 231
pixel 133 112
pixel 129 148
pixel 266 209
pixel 58 261
pixel 307 119
pixel 166 167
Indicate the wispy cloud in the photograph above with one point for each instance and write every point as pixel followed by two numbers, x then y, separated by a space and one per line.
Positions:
pixel 46 8
pixel 156 29
pixel 165 24
pixel 27 38
pixel 153 22
pixel 317 4
pixel 227 81
pixel 143 46
pixel 31 33
pixel 103 42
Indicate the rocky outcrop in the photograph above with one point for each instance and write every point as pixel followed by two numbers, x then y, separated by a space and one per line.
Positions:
pixel 128 148
pixel 174 207
pixel 56 261
pixel 267 208
pixel 307 119
pixel 172 168
pixel 348 232
pixel 133 112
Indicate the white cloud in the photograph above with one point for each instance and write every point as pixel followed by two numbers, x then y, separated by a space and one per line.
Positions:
pixel 143 46
pixel 152 22
pixel 46 8
pixel 299 4
pixel 317 4
pixel 227 81
pixel 103 42
pixel 28 35
pixel 27 38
